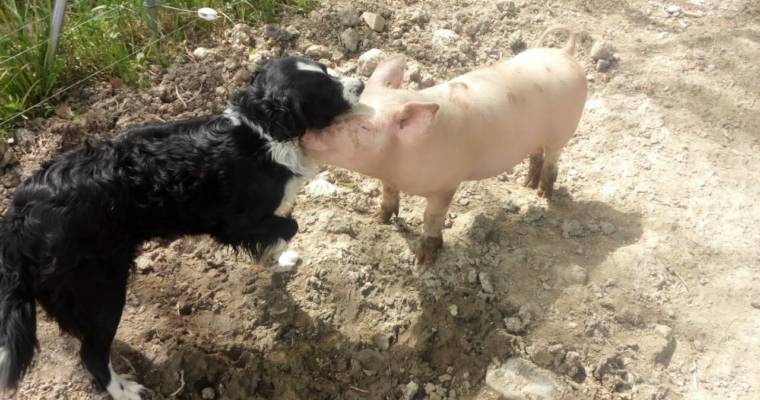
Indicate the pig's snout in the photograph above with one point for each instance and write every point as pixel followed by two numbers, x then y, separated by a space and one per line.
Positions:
pixel 352 89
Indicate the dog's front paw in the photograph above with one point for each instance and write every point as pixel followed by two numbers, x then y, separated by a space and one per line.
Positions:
pixel 286 261
pixel 123 389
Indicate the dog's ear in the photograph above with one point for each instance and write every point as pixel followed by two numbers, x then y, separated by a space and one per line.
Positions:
pixel 260 67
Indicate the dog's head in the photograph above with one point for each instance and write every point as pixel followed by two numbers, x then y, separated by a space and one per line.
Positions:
pixel 286 96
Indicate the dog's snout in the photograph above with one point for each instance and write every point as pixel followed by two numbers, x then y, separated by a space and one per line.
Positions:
pixel 359 87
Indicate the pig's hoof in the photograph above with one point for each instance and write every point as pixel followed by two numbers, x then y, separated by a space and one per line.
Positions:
pixel 384 216
pixel 428 250
pixel 546 193
pixel 531 181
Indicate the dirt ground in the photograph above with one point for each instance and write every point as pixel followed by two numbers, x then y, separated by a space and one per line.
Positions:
pixel 640 282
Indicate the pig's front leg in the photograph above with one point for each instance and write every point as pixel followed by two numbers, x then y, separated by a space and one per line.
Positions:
pixel 389 204
pixel 432 238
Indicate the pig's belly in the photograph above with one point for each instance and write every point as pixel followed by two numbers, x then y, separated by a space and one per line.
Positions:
pixel 497 152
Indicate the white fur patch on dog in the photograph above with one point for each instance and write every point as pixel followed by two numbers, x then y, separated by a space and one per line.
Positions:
pixel 302 66
pixel 289 196
pixel 283 260
pixel 4 367
pixel 122 389
pixel 351 90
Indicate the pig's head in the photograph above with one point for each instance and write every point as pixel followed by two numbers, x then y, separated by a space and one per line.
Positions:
pixel 386 125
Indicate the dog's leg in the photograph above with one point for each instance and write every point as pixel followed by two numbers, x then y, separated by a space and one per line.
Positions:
pixel 266 238
pixel 534 169
pixel 95 313
pixel 549 172
pixel 432 238
pixel 389 205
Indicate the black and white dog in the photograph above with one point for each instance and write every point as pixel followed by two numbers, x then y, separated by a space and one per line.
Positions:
pixel 69 239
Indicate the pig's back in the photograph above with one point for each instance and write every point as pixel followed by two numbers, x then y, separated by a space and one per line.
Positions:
pixel 530 101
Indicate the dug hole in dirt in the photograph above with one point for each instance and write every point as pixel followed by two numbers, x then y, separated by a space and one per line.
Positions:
pixel 640 282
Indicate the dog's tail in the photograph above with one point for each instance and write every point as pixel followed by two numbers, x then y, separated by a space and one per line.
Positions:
pixel 572 35
pixel 18 316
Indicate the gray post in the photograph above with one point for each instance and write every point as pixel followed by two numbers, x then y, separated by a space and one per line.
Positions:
pixel 56 23
pixel 152 8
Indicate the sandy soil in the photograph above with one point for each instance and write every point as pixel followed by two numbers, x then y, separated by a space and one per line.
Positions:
pixel 640 282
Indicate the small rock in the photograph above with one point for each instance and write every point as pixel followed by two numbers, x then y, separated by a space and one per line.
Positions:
pixel 507 6
pixel 317 51
pixel 603 65
pixel 348 17
pixel 369 60
pixel 414 72
pixel 472 276
pixel 516 42
pixel 382 341
pixel 516 324
pixel 629 314
pixel 607 228
pixel 590 77
pixel 25 137
pixel 572 275
pixel 201 53
pixel 572 228
pixel 534 214
pixel 673 10
pixel 430 388
pixel 520 379
pixel 276 33
pixel 321 187
pixel 184 308
pixel 453 310
pixel 370 360
pixel 602 50
pixel 410 390
pixel 485 282
pixel 143 263
pixel 419 17
pixel 10 179
pixel 350 39
pixel 376 22
pixel 445 38
pixel 426 81
pixel 242 75
pixel 242 34
pixel 208 393
pixel 755 304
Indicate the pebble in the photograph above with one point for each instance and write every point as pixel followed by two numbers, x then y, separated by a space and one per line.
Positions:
pixel 472 276
pixel 534 214
pixel 208 393
pixel 317 51
pixel 321 187
pixel 445 38
pixel 602 50
pixel 607 228
pixel 24 137
pixel 410 390
pixel 348 17
pixel 572 228
pixel 485 282
pixel 520 379
pixel 382 341
pixel 201 52
pixel 376 22
pixel 506 6
pixel 369 60
pixel 673 10
pixel 453 310
pixel 350 39
pixel 516 42
pixel 572 275
pixel 755 304
pixel 242 34
pixel 603 65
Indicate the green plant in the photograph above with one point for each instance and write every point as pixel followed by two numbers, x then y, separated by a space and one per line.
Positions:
pixel 107 38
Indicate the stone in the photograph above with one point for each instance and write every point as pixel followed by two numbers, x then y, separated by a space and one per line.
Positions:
pixel 24 137
pixel 350 39
pixel 485 282
pixel 369 360
pixel 242 34
pixel 602 50
pixel 445 39
pixel 410 391
pixel 208 393
pixel 521 379
pixel 369 60
pixel 572 228
pixel 534 214
pixel 348 17
pixel 317 51
pixel 321 187
pixel 603 65
pixel 673 10
pixel 572 275
pixel 201 53
pixel 472 276
pixel 516 42
pixel 382 341
pixel 453 310
pixel 376 22
pixel 607 228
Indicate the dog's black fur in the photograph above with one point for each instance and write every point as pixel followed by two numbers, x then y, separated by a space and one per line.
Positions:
pixel 75 226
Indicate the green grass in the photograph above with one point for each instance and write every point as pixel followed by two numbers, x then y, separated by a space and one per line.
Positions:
pixel 109 36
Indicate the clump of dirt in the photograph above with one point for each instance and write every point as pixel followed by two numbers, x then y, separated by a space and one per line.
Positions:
pixel 637 283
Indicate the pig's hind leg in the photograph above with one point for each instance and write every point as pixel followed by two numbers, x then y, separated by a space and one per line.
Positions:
pixel 549 172
pixel 534 169
pixel 432 238
pixel 389 205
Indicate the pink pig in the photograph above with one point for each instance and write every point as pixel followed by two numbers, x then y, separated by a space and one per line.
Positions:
pixel 473 127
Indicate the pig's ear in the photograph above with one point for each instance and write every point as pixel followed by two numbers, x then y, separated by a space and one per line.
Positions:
pixel 388 74
pixel 415 118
